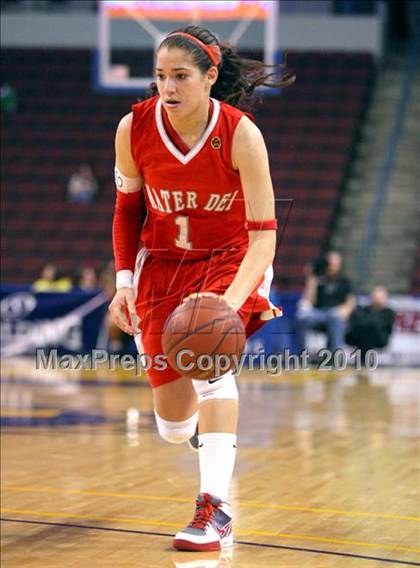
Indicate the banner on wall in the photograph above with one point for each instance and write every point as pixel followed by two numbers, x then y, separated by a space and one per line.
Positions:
pixel 404 347
pixel 71 322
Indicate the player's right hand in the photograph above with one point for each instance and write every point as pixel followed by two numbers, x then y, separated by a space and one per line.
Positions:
pixel 123 311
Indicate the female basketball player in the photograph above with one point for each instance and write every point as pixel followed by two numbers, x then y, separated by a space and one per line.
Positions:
pixel 199 167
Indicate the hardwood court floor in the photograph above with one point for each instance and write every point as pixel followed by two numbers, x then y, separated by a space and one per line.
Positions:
pixel 327 473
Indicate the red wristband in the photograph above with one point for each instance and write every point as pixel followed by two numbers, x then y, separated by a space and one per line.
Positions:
pixel 261 225
pixel 129 215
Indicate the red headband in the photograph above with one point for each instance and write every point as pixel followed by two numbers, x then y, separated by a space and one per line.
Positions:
pixel 213 51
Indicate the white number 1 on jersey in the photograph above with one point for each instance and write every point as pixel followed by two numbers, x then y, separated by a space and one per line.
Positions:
pixel 184 232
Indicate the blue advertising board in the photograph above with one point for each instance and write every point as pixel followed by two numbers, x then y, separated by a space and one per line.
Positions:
pixel 73 322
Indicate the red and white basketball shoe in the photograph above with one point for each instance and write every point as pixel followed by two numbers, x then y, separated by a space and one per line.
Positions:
pixel 211 527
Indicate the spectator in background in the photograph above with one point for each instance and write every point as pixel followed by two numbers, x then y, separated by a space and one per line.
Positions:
pixel 326 304
pixel 52 280
pixel 370 326
pixel 8 99
pixel 87 279
pixel 82 186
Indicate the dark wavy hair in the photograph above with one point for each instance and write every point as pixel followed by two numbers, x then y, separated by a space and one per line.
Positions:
pixel 238 77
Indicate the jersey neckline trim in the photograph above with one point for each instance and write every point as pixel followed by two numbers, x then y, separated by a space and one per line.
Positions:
pixel 185 158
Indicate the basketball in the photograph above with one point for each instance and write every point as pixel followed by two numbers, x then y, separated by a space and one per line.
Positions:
pixel 202 336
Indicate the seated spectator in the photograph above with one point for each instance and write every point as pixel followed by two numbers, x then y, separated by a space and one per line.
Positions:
pixel 8 99
pixel 326 304
pixel 370 327
pixel 87 279
pixel 51 280
pixel 82 186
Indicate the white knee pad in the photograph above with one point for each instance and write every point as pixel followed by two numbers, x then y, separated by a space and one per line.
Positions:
pixel 217 388
pixel 176 432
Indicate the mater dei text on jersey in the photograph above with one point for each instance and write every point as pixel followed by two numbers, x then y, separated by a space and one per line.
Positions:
pixel 170 201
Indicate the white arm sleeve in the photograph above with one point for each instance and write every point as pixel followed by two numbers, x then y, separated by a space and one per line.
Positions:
pixel 127 184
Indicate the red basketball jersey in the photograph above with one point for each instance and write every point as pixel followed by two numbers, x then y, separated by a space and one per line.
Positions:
pixel 194 200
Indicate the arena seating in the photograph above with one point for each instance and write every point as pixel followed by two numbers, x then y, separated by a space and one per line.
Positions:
pixel 63 122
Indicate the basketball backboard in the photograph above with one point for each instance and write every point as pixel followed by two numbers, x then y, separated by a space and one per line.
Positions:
pixel 130 31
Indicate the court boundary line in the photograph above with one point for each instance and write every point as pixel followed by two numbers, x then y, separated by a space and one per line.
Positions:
pixel 245 504
pixel 240 532
pixel 244 543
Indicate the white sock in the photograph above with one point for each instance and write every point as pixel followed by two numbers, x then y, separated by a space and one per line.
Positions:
pixel 217 452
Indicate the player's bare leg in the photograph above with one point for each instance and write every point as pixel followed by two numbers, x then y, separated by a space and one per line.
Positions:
pixel 218 416
pixel 176 410
pixel 176 400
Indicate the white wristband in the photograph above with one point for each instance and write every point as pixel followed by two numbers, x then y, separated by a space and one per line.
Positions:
pixel 124 279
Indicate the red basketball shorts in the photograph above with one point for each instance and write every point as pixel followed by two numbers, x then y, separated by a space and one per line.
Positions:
pixel 162 284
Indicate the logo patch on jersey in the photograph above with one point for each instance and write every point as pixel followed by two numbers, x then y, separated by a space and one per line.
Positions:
pixel 216 143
